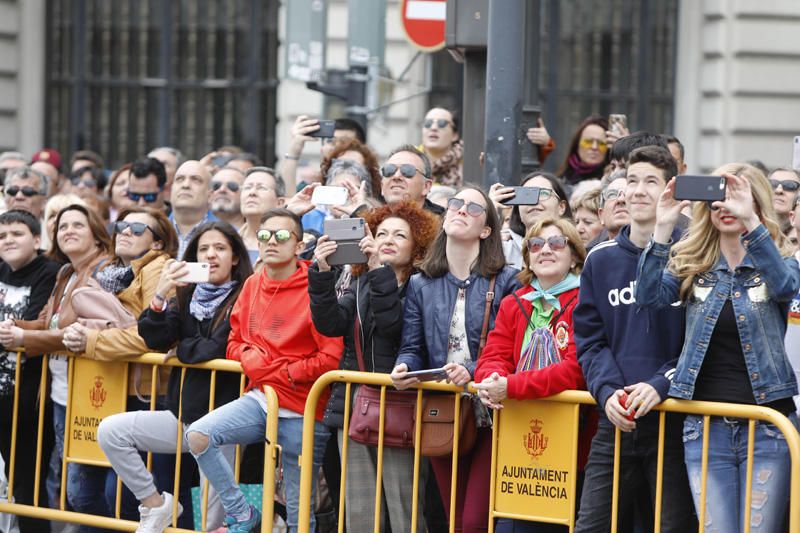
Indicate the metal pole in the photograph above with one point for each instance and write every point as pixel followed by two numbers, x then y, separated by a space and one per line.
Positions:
pixel 505 85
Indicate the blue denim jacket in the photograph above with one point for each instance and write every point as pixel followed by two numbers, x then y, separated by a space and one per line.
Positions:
pixel 760 289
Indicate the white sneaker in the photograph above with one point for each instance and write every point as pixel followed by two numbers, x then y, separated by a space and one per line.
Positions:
pixel 155 519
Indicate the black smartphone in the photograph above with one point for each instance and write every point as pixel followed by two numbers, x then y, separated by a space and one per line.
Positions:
pixel 523 196
pixel 700 188
pixel 325 130
pixel 347 232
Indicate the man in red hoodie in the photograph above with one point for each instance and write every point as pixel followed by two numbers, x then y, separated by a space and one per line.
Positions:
pixel 273 337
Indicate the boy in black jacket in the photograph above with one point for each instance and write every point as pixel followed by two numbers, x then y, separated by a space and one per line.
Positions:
pixel 628 351
pixel 26 280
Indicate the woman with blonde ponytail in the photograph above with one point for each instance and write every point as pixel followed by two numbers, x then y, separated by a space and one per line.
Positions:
pixel 735 273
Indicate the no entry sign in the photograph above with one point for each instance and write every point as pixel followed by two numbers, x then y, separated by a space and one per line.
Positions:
pixel 423 23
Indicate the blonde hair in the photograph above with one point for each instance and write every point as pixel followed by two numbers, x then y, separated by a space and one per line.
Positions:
pixel 589 200
pixel 59 202
pixel 699 250
pixel 570 232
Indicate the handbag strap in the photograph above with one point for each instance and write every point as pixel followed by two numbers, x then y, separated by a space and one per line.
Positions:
pixel 357 337
pixel 486 312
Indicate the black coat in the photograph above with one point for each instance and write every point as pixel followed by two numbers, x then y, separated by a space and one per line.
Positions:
pixel 195 344
pixel 377 302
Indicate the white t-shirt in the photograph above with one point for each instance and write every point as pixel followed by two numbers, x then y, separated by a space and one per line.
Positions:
pixel 792 340
pixel 259 395
pixel 457 342
pixel 57 364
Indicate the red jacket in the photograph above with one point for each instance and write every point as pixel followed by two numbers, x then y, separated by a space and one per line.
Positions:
pixel 273 337
pixel 502 352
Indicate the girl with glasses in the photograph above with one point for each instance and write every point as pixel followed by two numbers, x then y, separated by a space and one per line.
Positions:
pixel 531 351
pixel 443 317
pixel 196 323
pixel 587 155
pixel 735 273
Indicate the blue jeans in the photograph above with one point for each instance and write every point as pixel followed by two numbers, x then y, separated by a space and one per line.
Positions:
pixel 727 473
pixel 637 472
pixel 243 421
pixel 53 480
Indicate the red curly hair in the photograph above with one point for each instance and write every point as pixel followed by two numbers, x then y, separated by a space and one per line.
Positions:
pixel 370 161
pixel 424 227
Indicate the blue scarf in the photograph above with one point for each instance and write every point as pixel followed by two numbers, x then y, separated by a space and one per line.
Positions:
pixel 551 295
pixel 207 297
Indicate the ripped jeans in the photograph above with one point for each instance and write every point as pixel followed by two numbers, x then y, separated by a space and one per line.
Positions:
pixel 727 473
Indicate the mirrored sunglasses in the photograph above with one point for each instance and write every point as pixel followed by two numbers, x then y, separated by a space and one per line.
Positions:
pixel 441 123
pixel 281 235
pixel 556 243
pixel 149 197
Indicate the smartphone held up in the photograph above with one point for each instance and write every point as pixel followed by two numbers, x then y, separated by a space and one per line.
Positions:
pixel 700 188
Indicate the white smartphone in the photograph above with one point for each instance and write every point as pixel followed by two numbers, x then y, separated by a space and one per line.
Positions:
pixel 796 156
pixel 197 273
pixel 325 195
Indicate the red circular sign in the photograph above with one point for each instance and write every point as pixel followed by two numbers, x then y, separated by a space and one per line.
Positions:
pixel 423 23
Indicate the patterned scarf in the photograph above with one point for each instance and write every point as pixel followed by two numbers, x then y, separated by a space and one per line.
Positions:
pixel 115 279
pixel 447 169
pixel 207 297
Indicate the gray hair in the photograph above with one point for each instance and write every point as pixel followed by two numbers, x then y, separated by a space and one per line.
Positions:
pixel 608 180
pixel 26 172
pixel 410 148
pixel 179 157
pixel 280 185
pixel 346 166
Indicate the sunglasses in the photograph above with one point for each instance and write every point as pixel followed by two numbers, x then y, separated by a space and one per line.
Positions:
pixel 787 185
pixel 281 235
pixel 586 144
pixel 231 185
pixel 441 123
pixel 407 170
pixel 89 183
pixel 149 197
pixel 556 243
pixel 28 192
pixel 473 209
pixel 137 228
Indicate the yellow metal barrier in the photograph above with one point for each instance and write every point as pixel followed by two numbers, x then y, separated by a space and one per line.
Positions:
pixel 575 398
pixel 271 450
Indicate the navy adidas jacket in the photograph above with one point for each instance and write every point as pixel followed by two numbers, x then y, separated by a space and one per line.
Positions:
pixel 620 343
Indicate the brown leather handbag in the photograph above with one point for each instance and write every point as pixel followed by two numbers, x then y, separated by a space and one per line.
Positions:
pixel 399 413
pixel 438 413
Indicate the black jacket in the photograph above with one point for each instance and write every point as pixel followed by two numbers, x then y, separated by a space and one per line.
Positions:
pixel 377 302
pixel 196 344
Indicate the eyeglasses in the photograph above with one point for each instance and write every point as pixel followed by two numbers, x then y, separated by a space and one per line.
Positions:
pixel 440 123
pixel 473 209
pixel 611 194
pixel 281 235
pixel 137 228
pixel 545 193
pixel 149 197
pixel 89 183
pixel 587 144
pixel 231 185
pixel 407 170
pixel 258 186
pixel 556 243
pixel 28 192
pixel 787 185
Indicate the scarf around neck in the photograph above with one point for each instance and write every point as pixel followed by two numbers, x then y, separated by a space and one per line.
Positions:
pixel 115 279
pixel 551 295
pixel 447 169
pixel 207 297
pixel 582 170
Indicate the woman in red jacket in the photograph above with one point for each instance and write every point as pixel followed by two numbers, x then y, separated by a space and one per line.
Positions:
pixel 530 353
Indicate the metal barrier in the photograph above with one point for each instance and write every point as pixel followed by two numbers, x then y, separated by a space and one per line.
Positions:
pixel 573 398
pixel 156 360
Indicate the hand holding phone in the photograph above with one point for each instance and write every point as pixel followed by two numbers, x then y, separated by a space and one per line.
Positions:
pixel 347 232
pixel 196 273
pixel 430 374
pixel 523 196
pixel 326 195
pixel 325 131
pixel 700 188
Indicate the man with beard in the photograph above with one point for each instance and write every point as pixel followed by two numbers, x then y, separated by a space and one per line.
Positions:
pixel 226 191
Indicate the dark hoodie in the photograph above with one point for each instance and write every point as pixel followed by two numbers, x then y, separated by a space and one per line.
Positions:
pixel 620 343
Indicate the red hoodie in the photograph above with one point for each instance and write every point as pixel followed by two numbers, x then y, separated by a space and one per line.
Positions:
pixel 273 337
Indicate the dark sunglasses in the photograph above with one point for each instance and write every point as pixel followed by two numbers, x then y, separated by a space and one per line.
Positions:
pixel 29 192
pixel 556 242
pixel 441 123
pixel 88 182
pixel 473 209
pixel 788 185
pixel 137 228
pixel 281 235
pixel 231 185
pixel 407 170
pixel 149 197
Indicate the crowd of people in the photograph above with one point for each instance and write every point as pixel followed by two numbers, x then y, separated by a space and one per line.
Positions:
pixel 605 283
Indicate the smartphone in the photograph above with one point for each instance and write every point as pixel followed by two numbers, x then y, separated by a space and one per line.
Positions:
pixel 347 232
pixel 617 122
pixel 325 131
pixel 796 156
pixel 700 188
pixel 197 273
pixel 523 196
pixel 431 374
pixel 221 160
pixel 325 195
